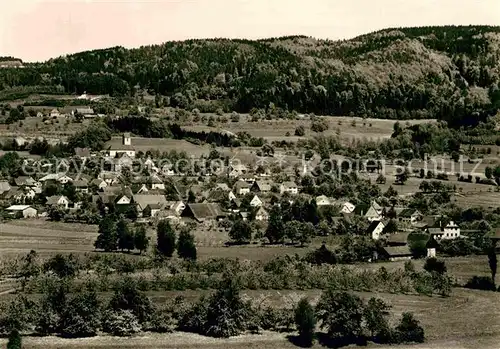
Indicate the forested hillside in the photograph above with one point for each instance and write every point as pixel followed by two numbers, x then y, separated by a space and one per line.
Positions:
pixel 451 73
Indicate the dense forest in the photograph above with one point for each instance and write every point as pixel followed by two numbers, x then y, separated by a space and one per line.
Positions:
pixel 451 73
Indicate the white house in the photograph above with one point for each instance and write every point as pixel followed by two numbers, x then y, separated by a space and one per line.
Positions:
pixel 123 200
pixel 449 231
pixel 375 229
pixel 347 207
pixel 58 200
pixel 372 214
pixel 289 187
pixel 100 183
pixel 25 210
pixel 256 202
pixel 241 188
pixel 410 216
pixel 323 200
pixel 157 183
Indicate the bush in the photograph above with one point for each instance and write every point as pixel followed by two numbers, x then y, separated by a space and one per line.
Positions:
pixel 484 283
pixel 409 330
pixel 435 265
pixel 121 323
pixel 305 321
pixel 62 266
pixel 300 131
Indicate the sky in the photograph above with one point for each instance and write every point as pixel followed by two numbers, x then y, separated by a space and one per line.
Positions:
pixel 36 30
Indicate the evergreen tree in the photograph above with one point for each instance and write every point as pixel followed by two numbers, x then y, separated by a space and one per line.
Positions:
pixel 107 239
pixel 305 321
pixel 15 341
pixel 165 239
pixel 275 231
pixel 125 236
pixel 141 241
pixel 186 247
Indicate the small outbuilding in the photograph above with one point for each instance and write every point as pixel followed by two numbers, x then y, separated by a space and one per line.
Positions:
pixel 26 211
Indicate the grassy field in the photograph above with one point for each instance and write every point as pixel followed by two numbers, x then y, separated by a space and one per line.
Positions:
pixel 273 130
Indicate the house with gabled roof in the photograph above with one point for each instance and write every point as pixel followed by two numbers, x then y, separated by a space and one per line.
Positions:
pixel 143 200
pixel 410 216
pixel 323 200
pixel 375 229
pixel 256 202
pixel 58 200
pixel 261 186
pixel 241 187
pixel 99 183
pixel 157 183
pixel 124 148
pixel 81 185
pixel 202 212
pixel 261 214
pixel 289 187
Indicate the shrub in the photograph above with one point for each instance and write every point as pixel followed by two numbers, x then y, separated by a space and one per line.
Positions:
pixel 160 322
pixel 121 323
pixel 305 321
pixel 194 317
pixel 409 330
pixel 300 131
pixel 435 265
pixel 481 283
pixel 62 266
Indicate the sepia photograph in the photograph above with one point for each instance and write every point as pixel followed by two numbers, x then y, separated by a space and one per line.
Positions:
pixel 249 174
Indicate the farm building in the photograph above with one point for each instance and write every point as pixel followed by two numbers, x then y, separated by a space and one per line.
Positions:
pixel 396 253
pixel 203 212
pixel 25 211
pixel 445 232
pixel 410 216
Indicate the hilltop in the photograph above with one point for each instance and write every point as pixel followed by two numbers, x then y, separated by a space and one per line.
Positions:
pixel 450 73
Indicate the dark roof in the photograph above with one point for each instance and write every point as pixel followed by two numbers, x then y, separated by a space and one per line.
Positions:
pixel 262 185
pixel 373 225
pixel 397 251
pixel 398 238
pixel 204 211
pixel 82 183
pixel 408 212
